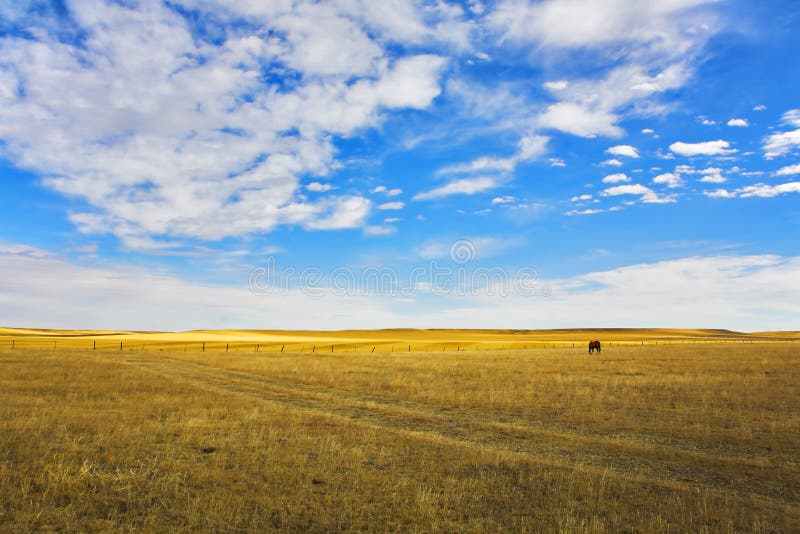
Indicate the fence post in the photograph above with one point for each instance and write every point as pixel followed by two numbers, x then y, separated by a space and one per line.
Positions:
pixel 331 348
pixel 313 348
pixel 120 346
pixel 94 344
pixel 409 348
pixel 12 344
pixel 204 346
pixel 282 347
pixel 226 347
pixel 373 348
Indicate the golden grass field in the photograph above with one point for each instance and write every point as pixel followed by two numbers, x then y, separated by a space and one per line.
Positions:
pixel 389 340
pixel 700 435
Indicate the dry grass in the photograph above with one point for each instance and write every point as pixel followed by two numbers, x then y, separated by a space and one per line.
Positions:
pixel 390 340
pixel 682 438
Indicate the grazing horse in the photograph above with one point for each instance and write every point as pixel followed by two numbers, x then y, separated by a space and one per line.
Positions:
pixel 594 345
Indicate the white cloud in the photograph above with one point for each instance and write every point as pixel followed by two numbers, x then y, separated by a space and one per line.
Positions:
pixel 465 186
pixel 504 199
pixel 746 293
pixel 713 177
pixel 742 123
pixel 319 187
pixel 580 120
pixel 710 175
pixel 789 169
pixel 333 214
pixel 571 213
pixel 529 148
pixel 480 164
pixel 616 178
pixel 556 162
pixel 768 191
pixel 792 117
pixel 757 190
pixel 477 247
pixel 648 131
pixel 556 85
pixel 760 107
pixel 611 163
pixel 631 189
pixel 386 191
pixel 373 231
pixel 654 25
pixel 782 143
pixel 623 150
pixel 579 198
pixel 593 107
pixel 647 195
pixel 391 220
pixel 391 206
pixel 707 148
pixel 165 135
pixel 669 179
pixel 719 193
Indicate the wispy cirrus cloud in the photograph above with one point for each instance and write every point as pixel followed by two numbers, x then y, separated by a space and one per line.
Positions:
pixel 464 186
pixel 530 147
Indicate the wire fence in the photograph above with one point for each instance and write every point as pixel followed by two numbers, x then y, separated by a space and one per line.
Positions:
pixel 122 345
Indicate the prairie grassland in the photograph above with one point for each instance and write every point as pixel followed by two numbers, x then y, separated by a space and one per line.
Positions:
pixel 389 340
pixel 682 438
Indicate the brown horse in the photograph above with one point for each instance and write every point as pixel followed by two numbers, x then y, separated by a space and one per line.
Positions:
pixel 594 345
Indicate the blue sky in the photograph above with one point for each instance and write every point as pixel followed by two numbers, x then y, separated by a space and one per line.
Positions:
pixel 642 158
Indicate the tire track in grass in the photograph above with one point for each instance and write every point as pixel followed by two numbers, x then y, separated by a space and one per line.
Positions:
pixel 657 462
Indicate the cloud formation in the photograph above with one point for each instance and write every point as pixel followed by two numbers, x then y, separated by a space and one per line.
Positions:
pixel 623 150
pixel 706 148
pixel 757 292
pixel 166 131
pixel 464 186
pixel 781 143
